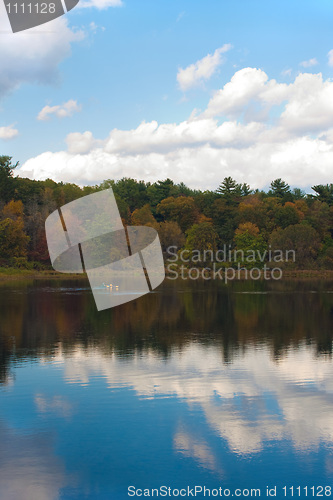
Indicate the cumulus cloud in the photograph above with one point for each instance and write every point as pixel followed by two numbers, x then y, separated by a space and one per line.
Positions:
pixel 78 143
pixel 61 111
pixel 308 100
pixel 33 56
pixel 153 138
pixel 310 107
pixel 266 127
pixel 247 86
pixel 7 133
pixel 309 63
pixel 202 70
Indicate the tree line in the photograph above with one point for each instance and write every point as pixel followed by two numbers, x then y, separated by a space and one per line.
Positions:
pixel 234 215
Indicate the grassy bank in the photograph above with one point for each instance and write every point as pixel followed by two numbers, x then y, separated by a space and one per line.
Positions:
pixel 12 273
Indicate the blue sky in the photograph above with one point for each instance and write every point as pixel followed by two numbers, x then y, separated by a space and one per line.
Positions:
pixel 100 70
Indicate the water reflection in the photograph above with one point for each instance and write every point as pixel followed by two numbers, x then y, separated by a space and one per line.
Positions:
pixel 247 403
pixel 194 446
pixel 57 405
pixel 37 315
pixel 29 468
pixel 206 377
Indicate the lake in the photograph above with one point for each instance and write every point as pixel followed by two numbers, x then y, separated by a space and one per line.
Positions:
pixel 195 385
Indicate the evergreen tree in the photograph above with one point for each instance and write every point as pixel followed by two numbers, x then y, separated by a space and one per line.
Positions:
pixel 7 184
pixel 279 188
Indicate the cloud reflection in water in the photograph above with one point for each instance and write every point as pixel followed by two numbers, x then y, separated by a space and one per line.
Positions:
pixel 248 403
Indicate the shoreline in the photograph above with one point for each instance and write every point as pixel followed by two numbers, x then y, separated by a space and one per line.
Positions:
pixel 12 274
pixel 19 274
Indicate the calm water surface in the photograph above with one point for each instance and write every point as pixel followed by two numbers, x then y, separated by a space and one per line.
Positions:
pixel 196 384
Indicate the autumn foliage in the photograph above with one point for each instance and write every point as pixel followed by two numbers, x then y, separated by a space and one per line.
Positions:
pixel 233 215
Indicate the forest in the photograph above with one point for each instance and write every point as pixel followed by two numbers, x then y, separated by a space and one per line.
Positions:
pixel 234 215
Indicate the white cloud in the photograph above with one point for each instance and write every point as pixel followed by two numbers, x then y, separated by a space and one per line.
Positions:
pixel 61 111
pixel 7 133
pixel 153 138
pixel 308 100
pixel 202 70
pixel 268 127
pixel 99 4
pixel 309 63
pixel 247 85
pixel 330 58
pixel 78 143
pixel 33 56
pixel 310 106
